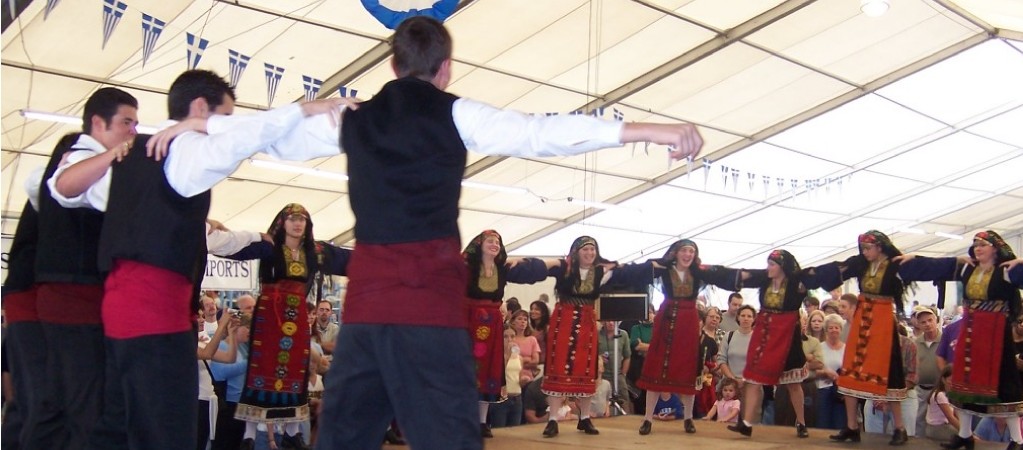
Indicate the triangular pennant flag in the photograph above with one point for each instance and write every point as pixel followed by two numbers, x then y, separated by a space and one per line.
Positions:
pixel 599 112
pixel 237 62
pixel 196 46
pixel 767 183
pixel 706 172
pixel 346 92
pixel 273 78
pixel 751 178
pixel 112 12
pixel 311 86
pixel 735 179
pixel 151 29
pixel 618 115
pixel 781 184
pixel 576 112
pixel 50 4
pixel 724 177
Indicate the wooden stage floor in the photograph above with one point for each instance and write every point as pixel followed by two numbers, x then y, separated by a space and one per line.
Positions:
pixel 622 433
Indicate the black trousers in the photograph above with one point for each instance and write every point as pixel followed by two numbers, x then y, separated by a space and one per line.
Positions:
pixel 151 389
pixel 35 391
pixel 76 355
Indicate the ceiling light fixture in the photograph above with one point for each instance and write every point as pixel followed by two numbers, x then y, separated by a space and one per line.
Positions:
pixel 73 120
pixel 311 171
pixel 874 8
pixel 494 187
pixel 911 230
pixel 948 235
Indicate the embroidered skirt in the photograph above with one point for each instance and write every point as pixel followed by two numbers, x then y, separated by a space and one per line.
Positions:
pixel 872 364
pixel 984 375
pixel 673 360
pixel 277 379
pixel 775 350
pixel 486 329
pixel 571 361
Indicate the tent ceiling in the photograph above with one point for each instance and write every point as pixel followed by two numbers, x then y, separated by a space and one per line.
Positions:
pixel 819 122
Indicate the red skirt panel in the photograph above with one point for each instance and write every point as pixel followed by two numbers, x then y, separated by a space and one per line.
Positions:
pixel 486 329
pixel 277 380
pixel 571 362
pixel 984 375
pixel 673 362
pixel 775 354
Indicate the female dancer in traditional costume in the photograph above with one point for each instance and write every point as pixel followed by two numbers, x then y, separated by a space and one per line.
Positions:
pixel 673 360
pixel 571 362
pixel 985 377
pixel 489 272
pixel 872 365
pixel 775 354
pixel 277 380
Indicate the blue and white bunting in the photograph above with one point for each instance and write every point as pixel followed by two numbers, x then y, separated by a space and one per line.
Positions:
pixel 273 78
pixel 196 47
pixel 113 10
pixel 617 114
pixel 311 86
pixel 151 29
pixel 50 4
pixel 346 92
pixel 237 63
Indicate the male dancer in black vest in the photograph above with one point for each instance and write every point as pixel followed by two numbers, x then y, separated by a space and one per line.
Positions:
pixel 65 396
pixel 402 350
pixel 153 245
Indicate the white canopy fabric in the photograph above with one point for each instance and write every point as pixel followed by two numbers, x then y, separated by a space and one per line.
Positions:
pixel 820 122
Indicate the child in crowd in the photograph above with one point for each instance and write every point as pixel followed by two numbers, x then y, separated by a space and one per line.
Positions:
pixel 942 422
pixel 668 407
pixel 726 409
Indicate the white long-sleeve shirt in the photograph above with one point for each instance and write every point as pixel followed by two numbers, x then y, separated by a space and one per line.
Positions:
pixel 220 242
pixel 196 162
pixel 484 129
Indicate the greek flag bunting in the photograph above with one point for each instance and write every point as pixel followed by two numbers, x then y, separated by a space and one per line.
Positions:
pixel 196 46
pixel 50 4
pixel 273 78
pixel 112 12
pixel 346 92
pixel 618 115
pixel 312 87
pixel 151 29
pixel 237 62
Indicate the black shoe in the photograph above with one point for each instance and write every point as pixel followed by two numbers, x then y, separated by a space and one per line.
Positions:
pixel 846 434
pixel 801 431
pixel 741 428
pixel 1012 446
pixel 485 431
pixel 958 442
pixel 587 426
pixel 899 437
pixel 645 428
pixel 391 437
pixel 690 428
pixel 551 430
pixel 247 444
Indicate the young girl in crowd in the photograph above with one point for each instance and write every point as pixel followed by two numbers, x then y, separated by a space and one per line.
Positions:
pixel 942 422
pixel 726 409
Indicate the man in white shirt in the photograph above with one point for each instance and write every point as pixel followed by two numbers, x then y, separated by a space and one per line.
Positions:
pixel 153 244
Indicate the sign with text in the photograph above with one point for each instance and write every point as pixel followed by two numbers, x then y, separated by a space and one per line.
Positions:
pixel 230 275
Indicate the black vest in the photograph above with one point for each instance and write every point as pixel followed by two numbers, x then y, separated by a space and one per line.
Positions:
pixel 68 237
pixel 406 161
pixel 21 258
pixel 149 222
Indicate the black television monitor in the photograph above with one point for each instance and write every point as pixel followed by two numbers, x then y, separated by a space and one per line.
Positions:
pixel 625 306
